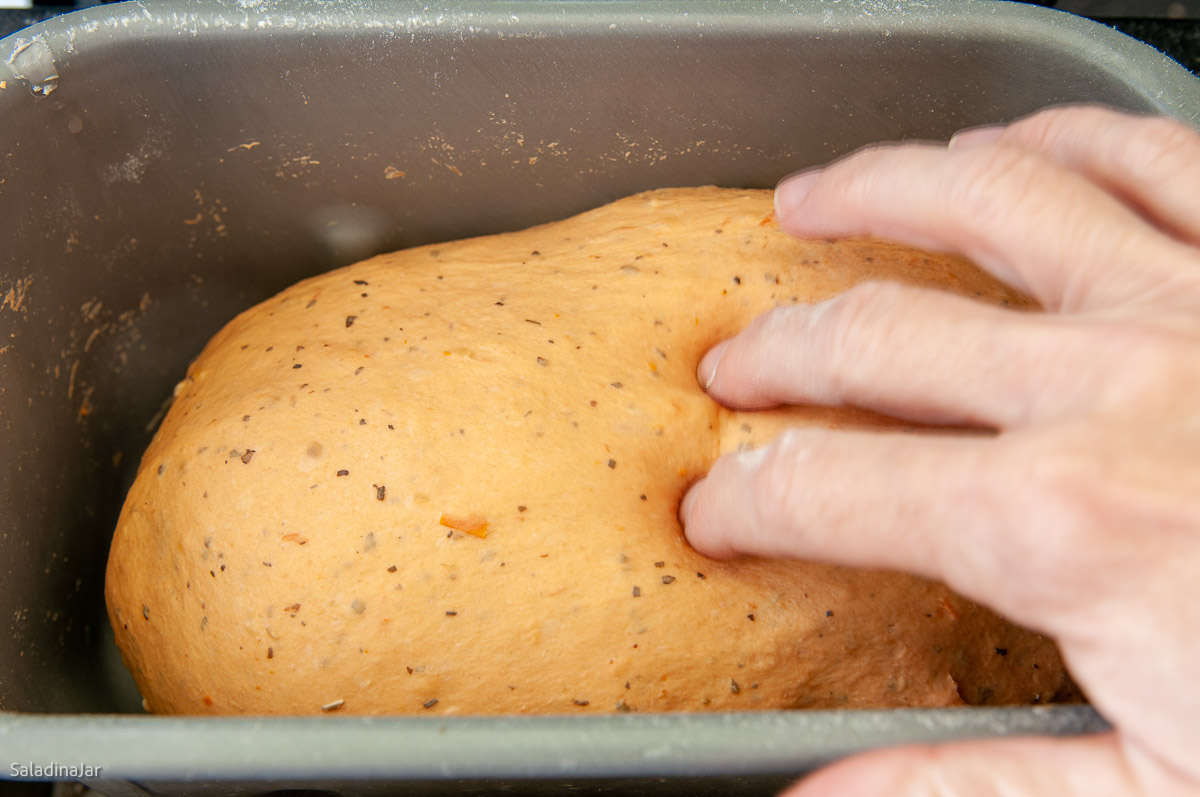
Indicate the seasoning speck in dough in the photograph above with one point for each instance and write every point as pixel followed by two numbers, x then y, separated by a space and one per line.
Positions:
pixel 534 414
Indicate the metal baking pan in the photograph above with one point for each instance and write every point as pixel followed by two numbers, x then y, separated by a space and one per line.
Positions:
pixel 164 165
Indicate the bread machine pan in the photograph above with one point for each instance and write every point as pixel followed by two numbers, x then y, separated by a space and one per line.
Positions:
pixel 164 165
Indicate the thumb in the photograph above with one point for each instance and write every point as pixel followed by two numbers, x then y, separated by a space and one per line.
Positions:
pixel 1092 766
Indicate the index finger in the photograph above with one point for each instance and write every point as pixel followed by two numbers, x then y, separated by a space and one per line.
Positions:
pixel 1038 226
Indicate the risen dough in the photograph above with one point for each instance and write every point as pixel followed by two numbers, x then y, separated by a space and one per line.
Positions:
pixel 445 481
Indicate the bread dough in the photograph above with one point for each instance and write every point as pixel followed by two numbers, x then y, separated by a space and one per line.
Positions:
pixel 445 481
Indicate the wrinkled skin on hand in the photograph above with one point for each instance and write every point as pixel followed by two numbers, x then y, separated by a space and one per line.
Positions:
pixel 1080 516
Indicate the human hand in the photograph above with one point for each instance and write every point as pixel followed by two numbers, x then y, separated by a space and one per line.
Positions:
pixel 1080 518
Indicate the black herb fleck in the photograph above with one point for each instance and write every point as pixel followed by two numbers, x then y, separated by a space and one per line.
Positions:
pixel 430 703
pixel 249 455
pixel 380 491
pixel 542 361
pixel 392 569
pixel 660 564
pixel 350 319
pixel 637 592
pixel 146 612
pixel 297 365
pixel 612 463
pixel 1002 651
pixel 617 385
pixel 531 321
pixel 580 702
pixel 361 282
pixel 668 579
pixel 270 653
pixel 343 472
pixel 750 617
pixel 829 613
pixel 452 614
pixel 733 686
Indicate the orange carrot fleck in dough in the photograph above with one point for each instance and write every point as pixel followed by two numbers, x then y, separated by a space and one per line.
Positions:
pixel 474 524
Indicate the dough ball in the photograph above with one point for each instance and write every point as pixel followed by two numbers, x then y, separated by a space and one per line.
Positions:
pixel 445 481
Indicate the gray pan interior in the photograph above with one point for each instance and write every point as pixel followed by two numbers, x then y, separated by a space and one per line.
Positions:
pixel 164 165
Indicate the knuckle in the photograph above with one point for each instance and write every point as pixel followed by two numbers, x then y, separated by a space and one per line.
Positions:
pixel 756 354
pixel 1156 147
pixel 1153 365
pixel 994 183
pixel 856 182
pixel 1059 483
pixel 1092 507
pixel 1161 148
pixel 1044 130
pixel 1049 129
pixel 775 328
pixel 841 323
pixel 773 484
pixel 1078 489
pixel 1162 133
pixel 851 329
pixel 777 488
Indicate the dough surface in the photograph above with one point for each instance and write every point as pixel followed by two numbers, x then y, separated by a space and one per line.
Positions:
pixel 444 481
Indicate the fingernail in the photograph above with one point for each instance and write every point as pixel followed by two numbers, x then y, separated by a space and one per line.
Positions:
pixel 975 136
pixel 706 372
pixel 689 500
pixel 791 191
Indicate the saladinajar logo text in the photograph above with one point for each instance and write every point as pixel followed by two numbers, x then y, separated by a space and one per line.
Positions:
pixel 53 770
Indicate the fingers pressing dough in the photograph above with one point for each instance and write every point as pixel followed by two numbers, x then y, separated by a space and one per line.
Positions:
pixel 445 480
